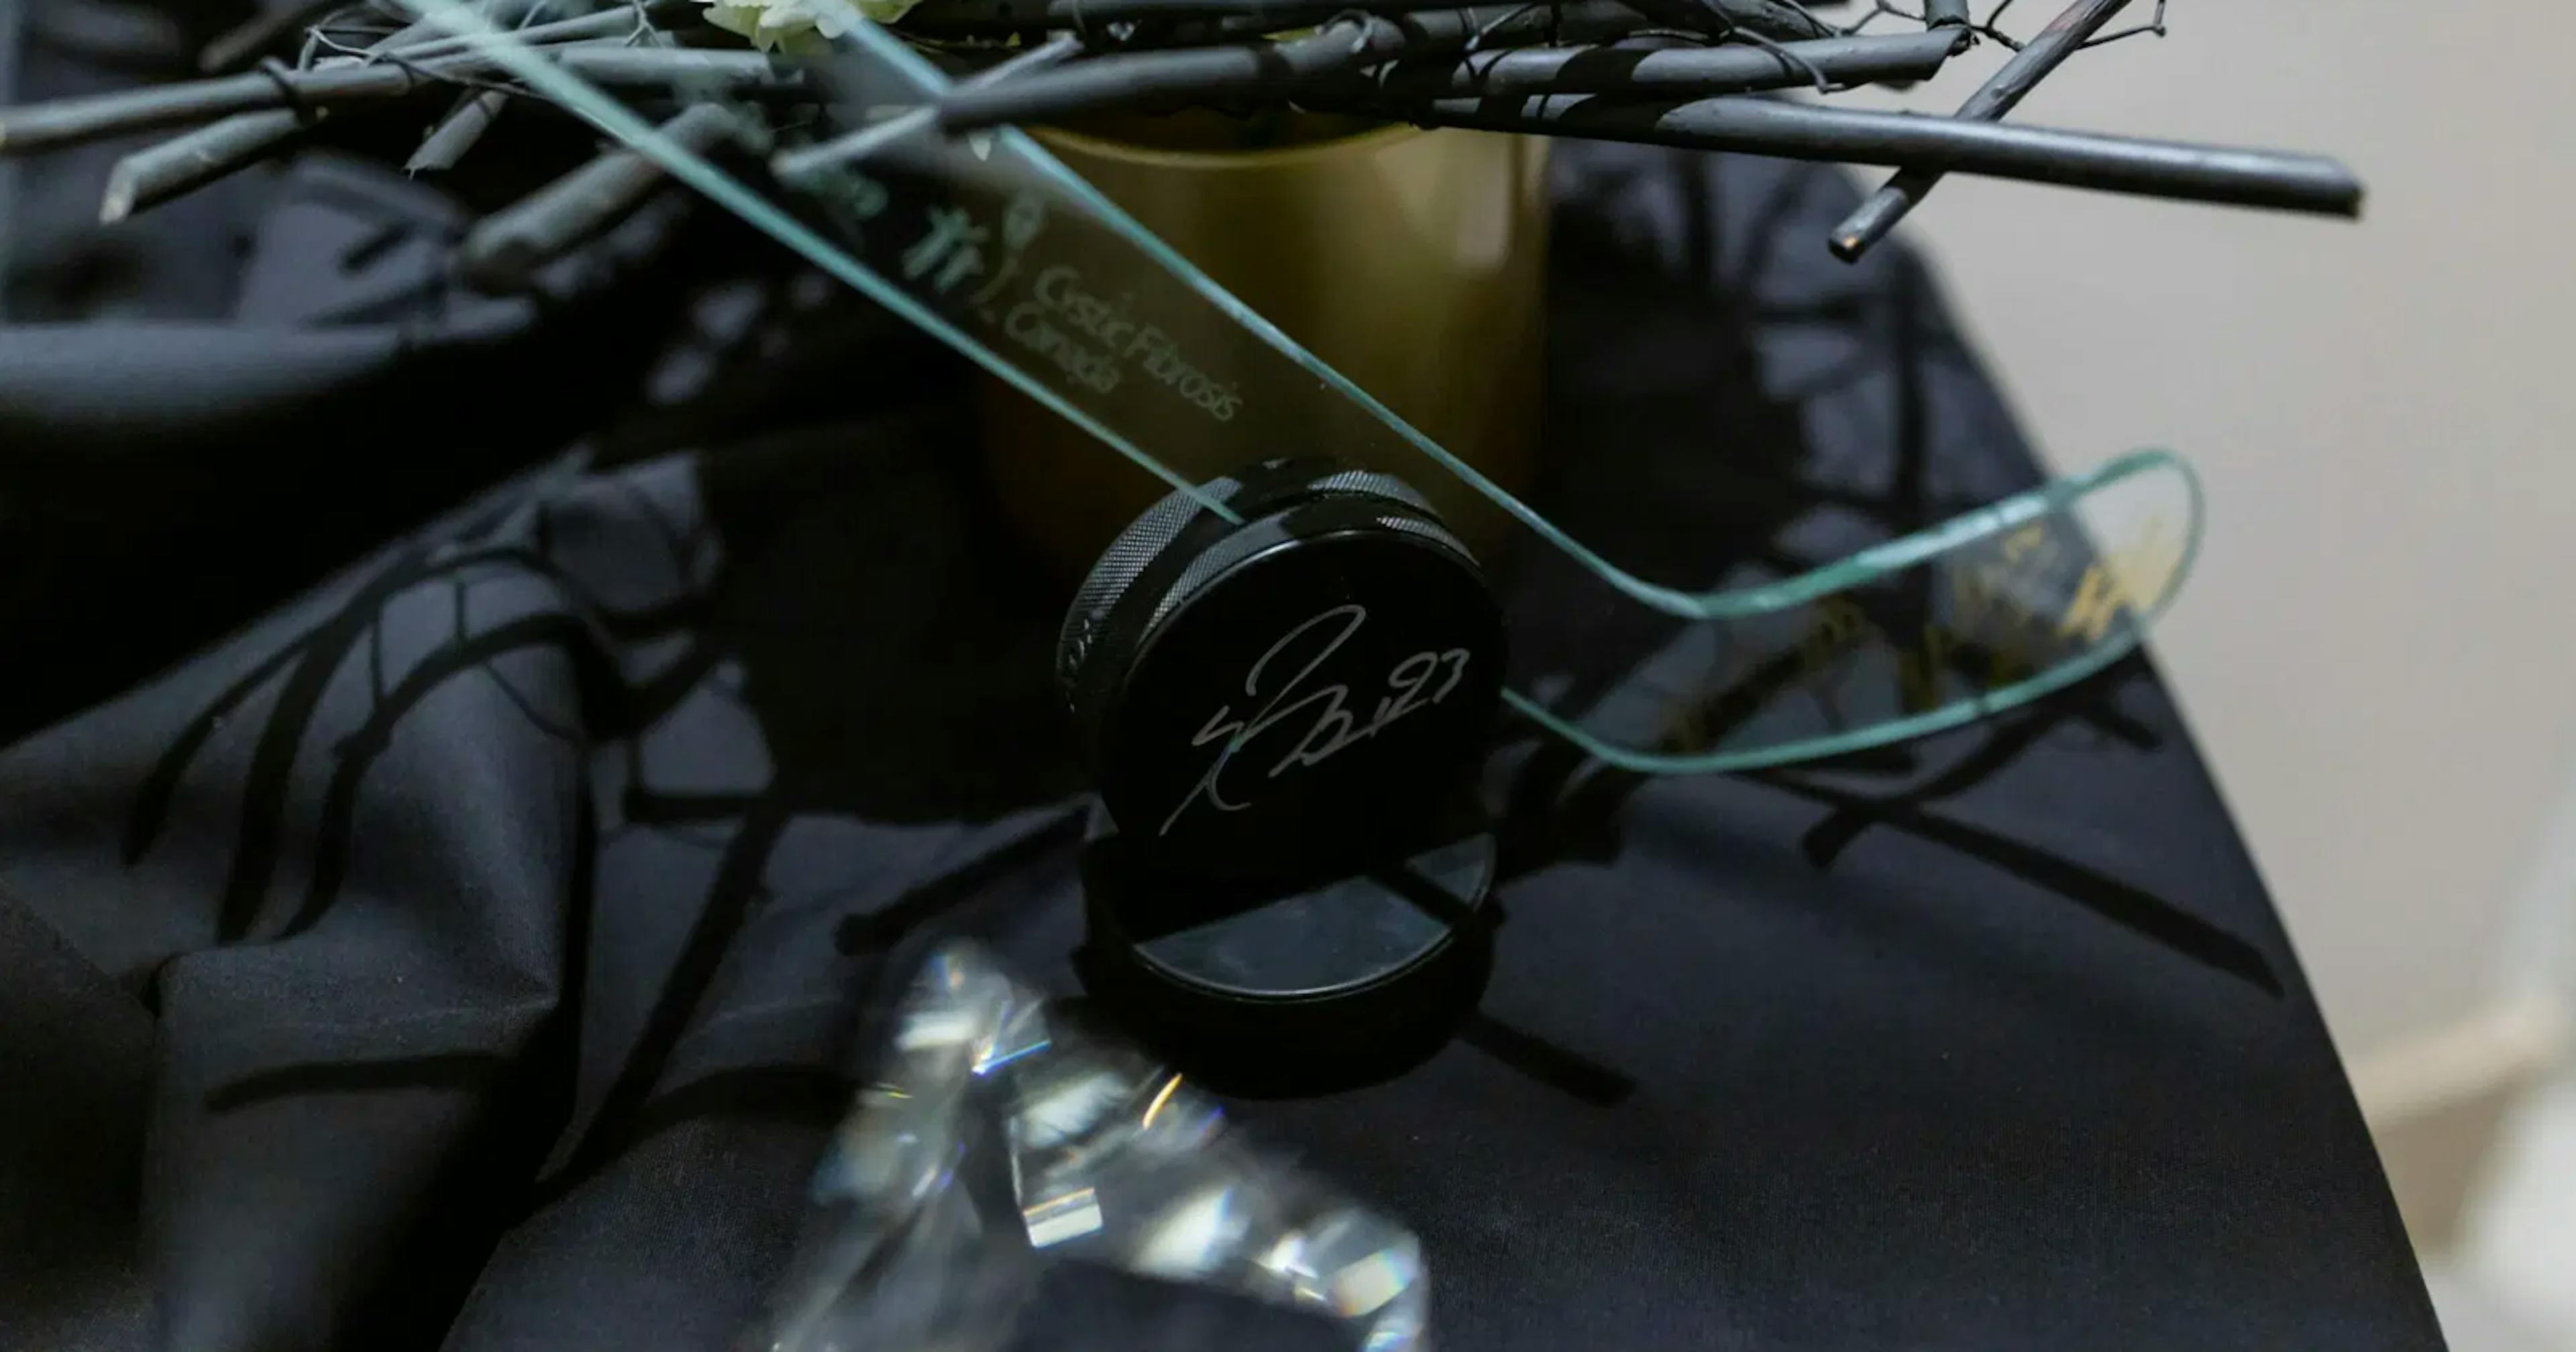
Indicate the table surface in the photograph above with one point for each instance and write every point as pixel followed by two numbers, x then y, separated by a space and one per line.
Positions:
pixel 465 949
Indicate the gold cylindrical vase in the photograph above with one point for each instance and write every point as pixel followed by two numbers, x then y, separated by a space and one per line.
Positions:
pixel 1411 261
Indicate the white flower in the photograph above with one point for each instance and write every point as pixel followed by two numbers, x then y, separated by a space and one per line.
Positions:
pixel 798 25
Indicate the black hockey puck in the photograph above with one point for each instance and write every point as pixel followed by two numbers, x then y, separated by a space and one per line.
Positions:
pixel 1284 694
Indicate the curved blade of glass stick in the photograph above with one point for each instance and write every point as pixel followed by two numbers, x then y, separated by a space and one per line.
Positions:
pixel 994 247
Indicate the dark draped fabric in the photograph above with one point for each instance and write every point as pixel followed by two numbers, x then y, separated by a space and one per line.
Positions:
pixel 468 765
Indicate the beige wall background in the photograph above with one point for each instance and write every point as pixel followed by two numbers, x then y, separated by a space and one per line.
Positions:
pixel 2379 653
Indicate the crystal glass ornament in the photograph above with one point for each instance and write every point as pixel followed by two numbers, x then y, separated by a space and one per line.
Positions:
pixel 1014 1179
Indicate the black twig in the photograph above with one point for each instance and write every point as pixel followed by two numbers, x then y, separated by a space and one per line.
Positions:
pixel 2155 25
pixel 319 39
pixel 620 22
pixel 1131 78
pixel 697 71
pixel 504 250
pixel 1814 76
pixel 1239 18
pixel 157 173
pixel 2065 35
pixel 1781 20
pixel 44 126
pixel 262 32
pixel 1670 73
pixel 1494 24
pixel 474 112
pixel 184 163
pixel 2288 182
pixel 796 166
pixel 1007 18
pixel 457 132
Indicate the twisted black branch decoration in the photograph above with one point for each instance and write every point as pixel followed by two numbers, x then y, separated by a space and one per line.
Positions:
pixel 1393 60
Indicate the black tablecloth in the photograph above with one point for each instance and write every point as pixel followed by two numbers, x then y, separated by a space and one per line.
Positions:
pixel 466 950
